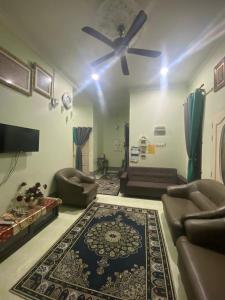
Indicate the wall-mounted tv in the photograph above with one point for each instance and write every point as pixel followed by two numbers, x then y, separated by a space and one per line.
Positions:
pixel 18 139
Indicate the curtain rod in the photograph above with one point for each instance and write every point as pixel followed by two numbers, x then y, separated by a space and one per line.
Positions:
pixel 206 93
pixel 209 91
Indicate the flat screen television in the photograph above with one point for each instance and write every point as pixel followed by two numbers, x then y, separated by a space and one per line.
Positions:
pixel 18 139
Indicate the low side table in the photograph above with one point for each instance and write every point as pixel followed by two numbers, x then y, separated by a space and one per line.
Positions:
pixel 14 236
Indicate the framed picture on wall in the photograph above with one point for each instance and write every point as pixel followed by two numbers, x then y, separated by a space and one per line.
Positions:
pixel 42 82
pixel 219 75
pixel 14 73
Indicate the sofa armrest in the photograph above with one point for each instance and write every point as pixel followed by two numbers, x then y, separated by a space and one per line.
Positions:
pixel 212 214
pixel 181 179
pixel 123 182
pixel 180 191
pixel 209 233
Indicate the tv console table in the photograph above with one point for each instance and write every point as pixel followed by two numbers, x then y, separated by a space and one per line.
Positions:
pixel 12 237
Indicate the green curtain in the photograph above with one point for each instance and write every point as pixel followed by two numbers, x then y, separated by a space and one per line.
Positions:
pixel 194 112
pixel 80 137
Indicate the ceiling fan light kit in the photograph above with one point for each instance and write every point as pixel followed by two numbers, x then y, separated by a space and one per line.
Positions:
pixel 120 45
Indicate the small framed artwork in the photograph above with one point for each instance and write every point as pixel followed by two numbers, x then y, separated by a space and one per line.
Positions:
pixel 14 73
pixel 42 82
pixel 219 75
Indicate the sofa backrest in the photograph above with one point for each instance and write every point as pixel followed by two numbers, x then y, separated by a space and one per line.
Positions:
pixel 207 194
pixel 167 175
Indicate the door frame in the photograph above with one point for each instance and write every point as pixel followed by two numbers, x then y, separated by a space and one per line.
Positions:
pixel 217 126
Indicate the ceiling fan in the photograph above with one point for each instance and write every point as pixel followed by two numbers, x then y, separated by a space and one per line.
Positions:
pixel 120 45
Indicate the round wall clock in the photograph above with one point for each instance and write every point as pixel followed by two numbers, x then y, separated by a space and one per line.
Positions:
pixel 67 101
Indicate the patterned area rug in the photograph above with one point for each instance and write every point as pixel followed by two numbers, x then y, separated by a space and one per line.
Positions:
pixel 111 252
pixel 109 185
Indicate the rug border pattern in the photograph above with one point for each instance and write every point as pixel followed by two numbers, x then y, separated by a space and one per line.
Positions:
pixel 166 264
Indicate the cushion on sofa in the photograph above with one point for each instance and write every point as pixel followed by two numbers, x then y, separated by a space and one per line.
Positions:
pixel 154 178
pixel 201 201
pixel 202 271
pixel 74 179
pixel 174 208
pixel 148 184
pixel 152 174
pixel 212 189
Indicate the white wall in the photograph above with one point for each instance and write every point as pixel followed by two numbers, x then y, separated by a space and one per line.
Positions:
pixel 215 103
pixel 150 107
pixel 33 112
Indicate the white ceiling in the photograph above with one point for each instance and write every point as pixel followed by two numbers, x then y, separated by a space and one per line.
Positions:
pixel 53 29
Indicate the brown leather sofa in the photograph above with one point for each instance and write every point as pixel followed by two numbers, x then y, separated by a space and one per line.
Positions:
pixel 75 188
pixel 201 199
pixel 201 259
pixel 148 182
pixel 195 213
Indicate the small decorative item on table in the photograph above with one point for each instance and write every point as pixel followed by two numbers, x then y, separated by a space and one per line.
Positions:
pixel 28 197
pixel 7 219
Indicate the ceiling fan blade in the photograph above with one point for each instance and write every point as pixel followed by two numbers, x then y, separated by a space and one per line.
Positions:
pixel 94 33
pixel 136 26
pixel 103 58
pixel 124 65
pixel 144 52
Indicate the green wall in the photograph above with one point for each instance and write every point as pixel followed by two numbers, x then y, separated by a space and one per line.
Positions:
pixel 55 126
pixel 151 107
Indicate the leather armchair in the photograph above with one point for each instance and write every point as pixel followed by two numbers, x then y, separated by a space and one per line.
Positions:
pixel 208 233
pixel 75 188
pixel 200 200
pixel 201 258
pixel 202 269
pixel 195 213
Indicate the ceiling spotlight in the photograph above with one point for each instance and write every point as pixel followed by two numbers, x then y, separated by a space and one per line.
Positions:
pixel 164 71
pixel 95 76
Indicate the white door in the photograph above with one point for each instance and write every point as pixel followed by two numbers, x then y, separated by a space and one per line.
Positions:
pixel 219 147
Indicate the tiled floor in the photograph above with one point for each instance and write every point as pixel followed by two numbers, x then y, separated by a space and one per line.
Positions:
pixel 23 259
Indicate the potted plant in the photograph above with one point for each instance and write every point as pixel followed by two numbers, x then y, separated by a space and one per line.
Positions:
pixel 30 196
